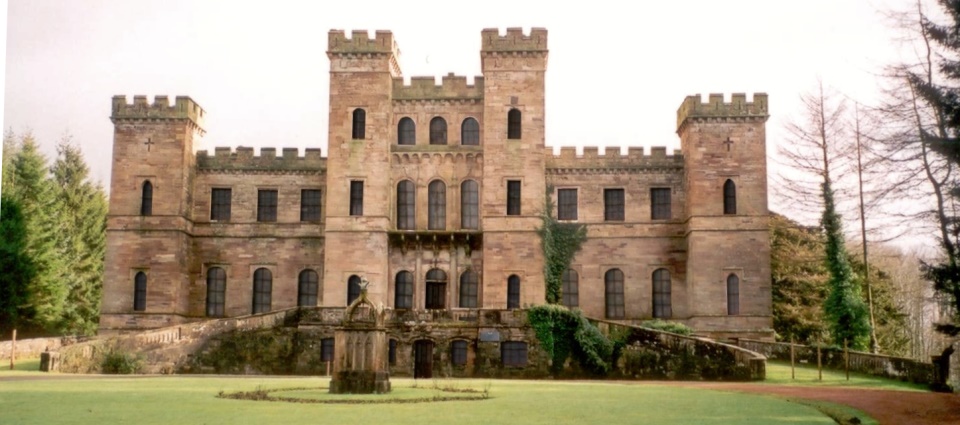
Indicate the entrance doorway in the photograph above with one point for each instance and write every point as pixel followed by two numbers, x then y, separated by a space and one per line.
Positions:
pixel 422 359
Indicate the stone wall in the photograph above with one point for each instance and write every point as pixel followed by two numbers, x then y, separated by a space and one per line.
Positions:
pixel 31 348
pixel 903 369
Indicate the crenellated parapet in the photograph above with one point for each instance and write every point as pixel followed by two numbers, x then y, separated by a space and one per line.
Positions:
pixel 452 87
pixel 612 161
pixel 183 108
pixel 243 159
pixel 360 45
pixel 716 108
pixel 514 41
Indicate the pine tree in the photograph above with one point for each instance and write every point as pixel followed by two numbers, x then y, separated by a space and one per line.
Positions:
pixel 846 312
pixel 9 151
pixel 81 211
pixel 34 191
pixel 16 265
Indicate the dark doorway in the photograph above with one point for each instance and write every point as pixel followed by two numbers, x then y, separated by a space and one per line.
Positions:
pixel 423 359
pixel 436 290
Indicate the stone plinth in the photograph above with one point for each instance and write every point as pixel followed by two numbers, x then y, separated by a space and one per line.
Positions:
pixel 360 382
pixel 49 361
pixel 360 350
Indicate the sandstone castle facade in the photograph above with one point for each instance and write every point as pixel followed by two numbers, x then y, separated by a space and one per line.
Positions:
pixel 433 194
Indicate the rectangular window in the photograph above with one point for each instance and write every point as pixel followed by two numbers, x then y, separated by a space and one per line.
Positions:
pixel 392 352
pixel 220 205
pixel 566 204
pixel 513 353
pixel 266 205
pixel 458 353
pixel 613 204
pixel 660 204
pixel 310 205
pixel 356 197
pixel 326 350
pixel 513 197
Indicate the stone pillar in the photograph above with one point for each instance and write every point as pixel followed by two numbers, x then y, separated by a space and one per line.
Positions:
pixel 360 350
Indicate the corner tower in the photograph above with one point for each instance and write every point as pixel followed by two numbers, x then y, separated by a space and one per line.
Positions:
pixel 358 179
pixel 727 235
pixel 151 191
pixel 514 68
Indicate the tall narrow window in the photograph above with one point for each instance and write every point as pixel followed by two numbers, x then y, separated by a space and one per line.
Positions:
pixel 406 132
pixel 392 352
pixel 356 197
pixel 661 294
pixel 403 295
pixel 513 291
pixel 469 285
pixel 438 131
pixel 266 205
pixel 262 289
pixel 326 349
pixel 513 197
pixel 406 205
pixel 308 285
pixel 566 204
pixel 613 204
pixel 729 197
pixel 359 124
pixel 140 292
pixel 571 288
pixel 513 124
pixel 469 205
pixel 733 295
pixel 438 206
pixel 613 293
pixel 470 132
pixel 660 203
pixel 310 205
pixel 146 199
pixel 458 352
pixel 216 291
pixel 220 204
pixel 353 289
pixel 436 289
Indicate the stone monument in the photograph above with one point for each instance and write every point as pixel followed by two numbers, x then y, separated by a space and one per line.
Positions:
pixel 360 353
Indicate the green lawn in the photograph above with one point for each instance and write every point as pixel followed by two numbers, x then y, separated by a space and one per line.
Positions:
pixel 192 400
pixel 779 373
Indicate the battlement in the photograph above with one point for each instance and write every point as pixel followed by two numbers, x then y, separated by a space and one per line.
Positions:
pixel 183 108
pixel 268 161
pixel 451 87
pixel 360 42
pixel 612 158
pixel 717 108
pixel 514 41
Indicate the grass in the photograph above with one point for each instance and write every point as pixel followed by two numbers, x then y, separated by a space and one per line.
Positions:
pixel 20 365
pixel 192 399
pixel 778 373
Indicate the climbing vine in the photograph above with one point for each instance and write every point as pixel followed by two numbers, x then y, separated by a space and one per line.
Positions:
pixel 563 332
pixel 560 242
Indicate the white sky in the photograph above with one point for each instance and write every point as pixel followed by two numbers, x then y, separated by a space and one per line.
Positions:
pixel 615 75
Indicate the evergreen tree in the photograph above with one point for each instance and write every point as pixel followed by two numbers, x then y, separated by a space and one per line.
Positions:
pixel 9 151
pixel 34 191
pixel 81 212
pixel 16 265
pixel 846 312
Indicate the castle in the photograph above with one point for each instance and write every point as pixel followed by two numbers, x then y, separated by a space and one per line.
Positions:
pixel 434 194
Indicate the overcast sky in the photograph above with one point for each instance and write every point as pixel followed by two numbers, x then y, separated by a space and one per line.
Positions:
pixel 615 76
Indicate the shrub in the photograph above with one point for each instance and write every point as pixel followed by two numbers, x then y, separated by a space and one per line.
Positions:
pixel 666 326
pixel 116 362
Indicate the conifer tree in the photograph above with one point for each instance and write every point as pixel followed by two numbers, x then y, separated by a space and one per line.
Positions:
pixel 16 265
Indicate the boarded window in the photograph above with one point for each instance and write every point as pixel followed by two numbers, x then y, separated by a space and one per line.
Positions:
pixel 406 205
pixel 359 124
pixel 470 132
pixel 216 291
pixel 661 294
pixel 513 197
pixel 513 353
pixel 262 289
pixel 613 293
pixel 513 291
pixel 729 197
pixel 613 205
pixel 310 205
pixel 469 205
pixel 220 204
pixel 469 285
pixel 406 132
pixel 403 290
pixel 513 124
pixel 356 198
pixel 733 295
pixel 438 131
pixel 308 285
pixel 437 200
pixel 566 204
pixel 660 203
pixel 146 199
pixel 571 288
pixel 266 205
pixel 140 292
pixel 353 289
pixel 458 353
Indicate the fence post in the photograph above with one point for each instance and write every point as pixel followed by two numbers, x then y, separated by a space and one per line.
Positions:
pixel 13 348
pixel 819 363
pixel 846 359
pixel 793 374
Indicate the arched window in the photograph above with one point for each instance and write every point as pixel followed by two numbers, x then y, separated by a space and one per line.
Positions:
pixel 406 205
pixel 140 292
pixel 353 289
pixel 438 206
pixel 733 295
pixel 513 291
pixel 438 131
pixel 513 124
pixel 469 285
pixel 216 291
pixel 470 132
pixel 469 205
pixel 613 293
pixel 359 124
pixel 436 289
pixel 729 197
pixel 403 291
pixel 571 288
pixel 262 288
pixel 661 294
pixel 406 132
pixel 146 199
pixel 307 288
